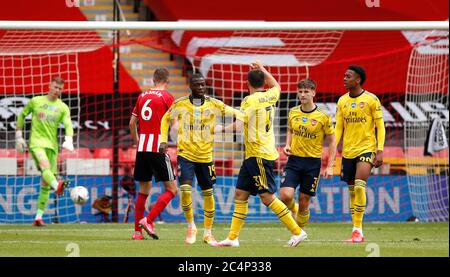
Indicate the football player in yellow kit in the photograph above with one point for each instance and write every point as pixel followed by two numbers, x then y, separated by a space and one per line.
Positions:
pixel 308 126
pixel 256 173
pixel 358 113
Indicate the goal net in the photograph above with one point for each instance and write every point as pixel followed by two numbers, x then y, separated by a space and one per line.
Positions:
pixel 411 85
pixel 28 61
pixel 427 145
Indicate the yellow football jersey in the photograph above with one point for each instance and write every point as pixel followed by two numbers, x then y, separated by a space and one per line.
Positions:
pixel 258 115
pixel 308 131
pixel 357 116
pixel 196 126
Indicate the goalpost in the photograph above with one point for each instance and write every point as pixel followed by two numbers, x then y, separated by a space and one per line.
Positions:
pixel 409 184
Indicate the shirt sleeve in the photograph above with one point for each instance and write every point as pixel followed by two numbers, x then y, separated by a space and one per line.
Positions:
pixel 230 111
pixel 274 95
pixel 67 122
pixel 165 124
pixel 26 111
pixel 376 109
pixel 136 108
pixel 381 133
pixel 328 127
pixel 339 123
pixel 290 120
pixel 243 111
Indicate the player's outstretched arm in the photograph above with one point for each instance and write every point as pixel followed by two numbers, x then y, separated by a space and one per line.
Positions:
pixel 237 125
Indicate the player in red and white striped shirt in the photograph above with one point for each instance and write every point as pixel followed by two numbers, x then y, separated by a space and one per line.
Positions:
pixel 150 107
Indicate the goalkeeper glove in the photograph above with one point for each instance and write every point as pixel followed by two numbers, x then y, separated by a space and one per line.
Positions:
pixel 68 143
pixel 21 145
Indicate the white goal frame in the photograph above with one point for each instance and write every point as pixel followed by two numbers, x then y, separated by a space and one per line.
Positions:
pixel 226 25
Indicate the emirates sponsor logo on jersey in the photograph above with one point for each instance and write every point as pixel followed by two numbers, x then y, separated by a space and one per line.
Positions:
pixel 362 105
pixel 313 122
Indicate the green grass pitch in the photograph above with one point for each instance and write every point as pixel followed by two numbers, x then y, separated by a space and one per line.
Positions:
pixel 257 240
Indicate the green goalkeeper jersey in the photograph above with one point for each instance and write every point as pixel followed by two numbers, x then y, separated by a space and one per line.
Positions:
pixel 45 121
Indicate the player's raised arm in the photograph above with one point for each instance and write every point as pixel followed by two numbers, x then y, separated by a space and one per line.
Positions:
pixel 270 80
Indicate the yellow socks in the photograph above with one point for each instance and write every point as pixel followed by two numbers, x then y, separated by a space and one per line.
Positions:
pixel 186 202
pixel 283 213
pixel 360 203
pixel 208 207
pixel 238 219
pixel 351 190
pixel 302 218
pixel 293 206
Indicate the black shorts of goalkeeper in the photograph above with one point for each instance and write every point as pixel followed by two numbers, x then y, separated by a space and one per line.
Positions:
pixel 256 176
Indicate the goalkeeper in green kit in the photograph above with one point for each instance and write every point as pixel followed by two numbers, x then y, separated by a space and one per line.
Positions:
pixel 48 111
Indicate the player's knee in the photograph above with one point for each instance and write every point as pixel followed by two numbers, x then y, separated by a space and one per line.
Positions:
pixel 267 198
pixel 44 165
pixel 239 194
pixel 285 197
pixel 144 187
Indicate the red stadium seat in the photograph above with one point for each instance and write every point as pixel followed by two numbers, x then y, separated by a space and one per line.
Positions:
pixel 442 154
pixel 127 156
pixel 4 153
pixel 393 152
pixel 13 153
pixel 415 152
pixel 223 167
pixel 80 153
pixel 103 153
